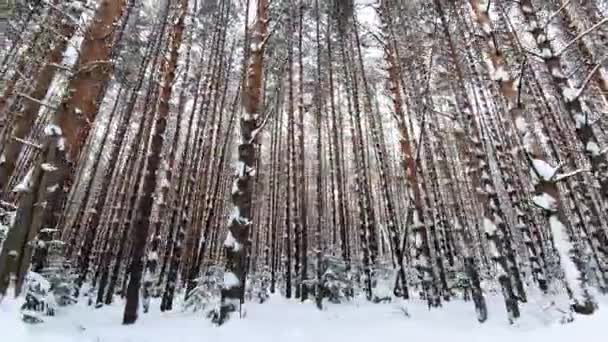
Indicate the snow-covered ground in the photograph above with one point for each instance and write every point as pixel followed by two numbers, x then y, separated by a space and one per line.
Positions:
pixel 282 320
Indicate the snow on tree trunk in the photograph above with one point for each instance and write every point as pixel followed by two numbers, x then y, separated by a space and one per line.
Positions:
pixel 28 110
pixel 240 221
pixel 72 121
pixel 544 176
pixel 153 164
pixel 17 250
pixel 492 220
pixel 570 96
pixel 378 143
pixel 583 124
pixel 580 16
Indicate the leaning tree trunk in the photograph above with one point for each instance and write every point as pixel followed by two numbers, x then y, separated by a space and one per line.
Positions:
pixel 153 163
pixel 491 219
pixel 544 176
pixel 26 116
pixel 71 122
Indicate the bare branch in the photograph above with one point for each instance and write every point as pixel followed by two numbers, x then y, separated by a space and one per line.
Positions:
pixel 580 36
pixel 67 15
pixel 28 143
pixel 396 117
pixel 556 172
pixel 42 103
pixel 532 53
pixel 521 81
pixel 60 67
pixel 554 14
pixel 449 116
pixel 262 45
pixel 92 65
pixel 587 80
pixel 260 127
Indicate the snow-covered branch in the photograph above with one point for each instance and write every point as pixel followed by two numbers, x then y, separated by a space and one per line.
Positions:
pixel 260 127
pixel 564 176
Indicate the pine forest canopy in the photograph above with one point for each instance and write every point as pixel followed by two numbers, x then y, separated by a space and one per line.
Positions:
pixel 223 150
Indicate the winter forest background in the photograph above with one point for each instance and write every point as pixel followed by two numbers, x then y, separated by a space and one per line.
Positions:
pixel 447 158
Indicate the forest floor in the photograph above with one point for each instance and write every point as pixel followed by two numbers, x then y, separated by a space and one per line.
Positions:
pixel 283 320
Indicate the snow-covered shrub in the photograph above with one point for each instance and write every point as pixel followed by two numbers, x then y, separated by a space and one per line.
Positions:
pixel 337 281
pixel 462 284
pixel 62 284
pixel 383 283
pixel 50 284
pixel 7 218
pixel 150 277
pixel 56 269
pixel 39 300
pixel 258 287
pixel 3 234
pixel 207 292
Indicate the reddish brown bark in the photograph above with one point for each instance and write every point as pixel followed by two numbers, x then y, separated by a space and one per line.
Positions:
pixel 92 72
pixel 26 117
pixel 237 244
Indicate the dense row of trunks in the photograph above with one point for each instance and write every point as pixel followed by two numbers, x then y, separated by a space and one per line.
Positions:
pixel 187 135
